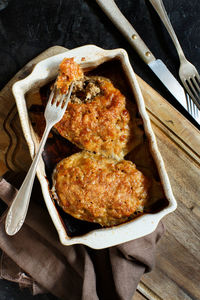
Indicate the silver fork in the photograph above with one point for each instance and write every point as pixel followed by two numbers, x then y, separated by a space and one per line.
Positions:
pixel 187 72
pixel 54 112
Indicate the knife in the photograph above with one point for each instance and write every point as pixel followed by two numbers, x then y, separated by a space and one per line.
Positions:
pixel 156 65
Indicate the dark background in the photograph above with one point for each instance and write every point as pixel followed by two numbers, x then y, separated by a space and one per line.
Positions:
pixel 28 27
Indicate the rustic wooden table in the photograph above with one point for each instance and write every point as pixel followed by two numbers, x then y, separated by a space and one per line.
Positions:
pixel 176 274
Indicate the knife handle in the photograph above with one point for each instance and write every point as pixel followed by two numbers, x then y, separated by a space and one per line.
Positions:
pixel 115 15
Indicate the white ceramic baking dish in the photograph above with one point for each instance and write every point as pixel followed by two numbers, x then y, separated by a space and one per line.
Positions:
pixel 90 56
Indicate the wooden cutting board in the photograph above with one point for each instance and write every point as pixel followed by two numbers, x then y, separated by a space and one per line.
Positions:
pixel 176 274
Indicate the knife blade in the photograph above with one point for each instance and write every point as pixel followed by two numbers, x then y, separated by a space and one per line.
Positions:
pixel 156 65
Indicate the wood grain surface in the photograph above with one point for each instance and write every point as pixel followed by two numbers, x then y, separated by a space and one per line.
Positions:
pixel 176 274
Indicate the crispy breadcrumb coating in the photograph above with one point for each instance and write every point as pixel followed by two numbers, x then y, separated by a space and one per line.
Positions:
pixel 97 189
pixel 69 71
pixel 97 119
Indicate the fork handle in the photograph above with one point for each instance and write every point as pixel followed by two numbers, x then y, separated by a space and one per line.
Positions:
pixel 160 9
pixel 19 207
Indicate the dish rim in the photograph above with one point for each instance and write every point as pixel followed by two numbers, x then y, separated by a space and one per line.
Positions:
pixel 43 72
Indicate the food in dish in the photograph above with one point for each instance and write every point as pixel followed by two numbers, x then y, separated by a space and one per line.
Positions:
pixel 113 64
pixel 97 189
pixel 94 120
pixel 97 118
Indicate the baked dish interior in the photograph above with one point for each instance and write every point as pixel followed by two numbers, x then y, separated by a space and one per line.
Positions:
pixel 99 141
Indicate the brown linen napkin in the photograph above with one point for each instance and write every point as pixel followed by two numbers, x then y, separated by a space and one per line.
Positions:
pixel 34 257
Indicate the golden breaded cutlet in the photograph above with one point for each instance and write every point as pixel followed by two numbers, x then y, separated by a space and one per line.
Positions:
pixel 97 189
pixel 97 119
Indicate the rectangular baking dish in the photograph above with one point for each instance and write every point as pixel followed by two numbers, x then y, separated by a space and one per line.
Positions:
pixel 90 57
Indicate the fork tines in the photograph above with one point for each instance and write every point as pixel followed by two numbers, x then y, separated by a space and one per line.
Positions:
pixel 56 98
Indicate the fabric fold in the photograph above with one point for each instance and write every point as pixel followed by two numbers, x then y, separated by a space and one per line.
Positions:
pixel 35 258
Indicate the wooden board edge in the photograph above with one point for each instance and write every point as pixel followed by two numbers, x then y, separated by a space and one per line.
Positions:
pixel 170 118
